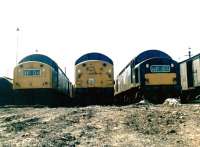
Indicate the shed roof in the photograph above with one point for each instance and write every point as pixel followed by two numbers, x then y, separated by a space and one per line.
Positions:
pixel 191 58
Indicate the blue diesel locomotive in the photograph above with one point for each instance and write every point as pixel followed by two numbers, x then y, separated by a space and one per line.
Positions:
pixel 152 75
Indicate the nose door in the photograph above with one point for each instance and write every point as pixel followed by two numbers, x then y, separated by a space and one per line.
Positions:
pixel 91 74
pixel 91 82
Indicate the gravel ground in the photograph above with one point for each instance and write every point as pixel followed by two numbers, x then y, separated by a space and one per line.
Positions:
pixel 132 125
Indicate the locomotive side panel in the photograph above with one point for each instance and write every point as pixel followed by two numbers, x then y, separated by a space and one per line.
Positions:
pixel 63 83
pixel 71 90
pixel 125 80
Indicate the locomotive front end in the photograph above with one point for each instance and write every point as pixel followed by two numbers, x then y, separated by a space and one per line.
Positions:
pixel 161 79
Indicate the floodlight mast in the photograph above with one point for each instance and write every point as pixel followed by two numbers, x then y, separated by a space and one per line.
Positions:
pixel 17 30
pixel 189 52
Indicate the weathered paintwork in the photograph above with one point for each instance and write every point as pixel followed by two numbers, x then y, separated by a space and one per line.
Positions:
pixel 92 74
pixel 44 80
pixel 160 79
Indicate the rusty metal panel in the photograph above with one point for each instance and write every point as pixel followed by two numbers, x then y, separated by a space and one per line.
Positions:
pixel 183 73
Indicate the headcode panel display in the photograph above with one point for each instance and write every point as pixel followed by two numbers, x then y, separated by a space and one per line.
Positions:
pixel 31 72
pixel 160 68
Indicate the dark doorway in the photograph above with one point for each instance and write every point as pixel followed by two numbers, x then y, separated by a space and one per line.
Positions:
pixel 190 74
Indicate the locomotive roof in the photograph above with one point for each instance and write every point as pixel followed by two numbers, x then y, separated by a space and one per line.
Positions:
pixel 150 54
pixel 93 56
pixel 146 55
pixel 40 58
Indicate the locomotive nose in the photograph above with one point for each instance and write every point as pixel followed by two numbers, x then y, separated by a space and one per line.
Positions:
pixel 160 79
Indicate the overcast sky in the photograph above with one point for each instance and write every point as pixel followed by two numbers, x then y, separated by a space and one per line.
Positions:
pixel 121 29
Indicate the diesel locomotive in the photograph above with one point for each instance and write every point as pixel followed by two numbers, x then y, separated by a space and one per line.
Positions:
pixel 190 78
pixel 152 75
pixel 94 79
pixel 39 80
pixel 6 91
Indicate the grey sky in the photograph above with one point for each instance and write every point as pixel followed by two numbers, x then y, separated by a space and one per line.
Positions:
pixel 64 30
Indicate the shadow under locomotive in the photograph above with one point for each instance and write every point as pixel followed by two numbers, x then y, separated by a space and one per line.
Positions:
pixel 154 94
pixel 43 97
pixel 94 96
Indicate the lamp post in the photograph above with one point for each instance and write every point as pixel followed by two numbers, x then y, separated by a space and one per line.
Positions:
pixel 189 52
pixel 17 30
